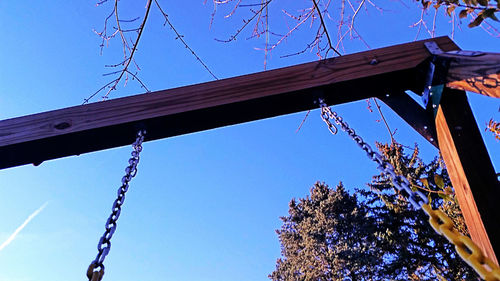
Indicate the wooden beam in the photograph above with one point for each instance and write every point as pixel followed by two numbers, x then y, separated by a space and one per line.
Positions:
pixel 473 71
pixel 80 129
pixel 415 115
pixel 488 85
pixel 470 169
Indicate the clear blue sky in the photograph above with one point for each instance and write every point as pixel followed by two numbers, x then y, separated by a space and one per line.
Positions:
pixel 203 206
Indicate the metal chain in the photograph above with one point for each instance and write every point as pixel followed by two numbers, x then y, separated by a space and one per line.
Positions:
pixel 439 221
pixel 95 272
pixel 416 198
pixel 465 247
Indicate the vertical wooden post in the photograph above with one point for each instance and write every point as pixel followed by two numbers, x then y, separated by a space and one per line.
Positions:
pixel 470 169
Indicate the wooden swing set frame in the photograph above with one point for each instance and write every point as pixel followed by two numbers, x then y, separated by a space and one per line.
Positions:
pixel 387 73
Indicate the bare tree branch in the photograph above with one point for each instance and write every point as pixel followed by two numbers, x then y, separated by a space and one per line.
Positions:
pixel 391 134
pixel 128 52
pixel 330 46
pixel 246 22
pixel 181 39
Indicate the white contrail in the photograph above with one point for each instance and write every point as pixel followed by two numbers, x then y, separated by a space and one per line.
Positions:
pixel 16 232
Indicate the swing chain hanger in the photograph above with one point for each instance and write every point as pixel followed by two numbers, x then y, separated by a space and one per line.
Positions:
pixel 95 271
pixel 440 222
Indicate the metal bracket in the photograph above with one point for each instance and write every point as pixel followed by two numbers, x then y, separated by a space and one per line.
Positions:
pixel 438 68
pixel 435 98
pixel 465 53
pixel 433 48
pixel 428 83
pixel 432 94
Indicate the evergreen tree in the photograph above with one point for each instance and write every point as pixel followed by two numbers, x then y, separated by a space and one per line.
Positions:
pixel 374 234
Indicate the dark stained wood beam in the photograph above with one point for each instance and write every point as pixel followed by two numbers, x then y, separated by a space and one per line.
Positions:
pixel 488 85
pixel 470 169
pixel 415 115
pixel 474 71
pixel 86 128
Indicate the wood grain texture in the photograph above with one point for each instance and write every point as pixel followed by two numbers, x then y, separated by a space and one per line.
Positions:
pixel 479 73
pixel 486 85
pixel 470 170
pixel 80 129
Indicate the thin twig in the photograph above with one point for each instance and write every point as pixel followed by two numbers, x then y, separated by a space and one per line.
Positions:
pixel 124 41
pixel 361 38
pixel 309 46
pixel 251 5
pixel 419 23
pixel 246 22
pixel 97 92
pixel 330 46
pixel 305 16
pixel 341 22
pixel 303 121
pixel 138 80
pixel 355 14
pixel 428 190
pixel 353 19
pixel 127 58
pixel 434 24
pixel 488 28
pixel 134 47
pixel 103 33
pixel 234 9
pixel 385 121
pixel 181 39
pixel 266 52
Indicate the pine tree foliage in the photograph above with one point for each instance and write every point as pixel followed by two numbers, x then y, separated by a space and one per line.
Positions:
pixel 373 234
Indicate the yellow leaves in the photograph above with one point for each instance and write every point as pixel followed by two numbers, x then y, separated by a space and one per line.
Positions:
pixel 463 13
pixel 425 182
pixel 450 9
pixel 448 191
pixel 494 127
pixel 480 9
pixel 426 4
pixel 443 191
pixel 487 13
pixel 439 181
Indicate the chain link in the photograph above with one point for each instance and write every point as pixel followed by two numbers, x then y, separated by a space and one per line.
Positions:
pixel 439 221
pixel 95 272
pixel 416 198
pixel 464 246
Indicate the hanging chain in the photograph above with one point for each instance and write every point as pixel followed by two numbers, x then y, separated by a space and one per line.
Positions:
pixel 439 221
pixel 416 198
pixel 95 272
pixel 465 247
